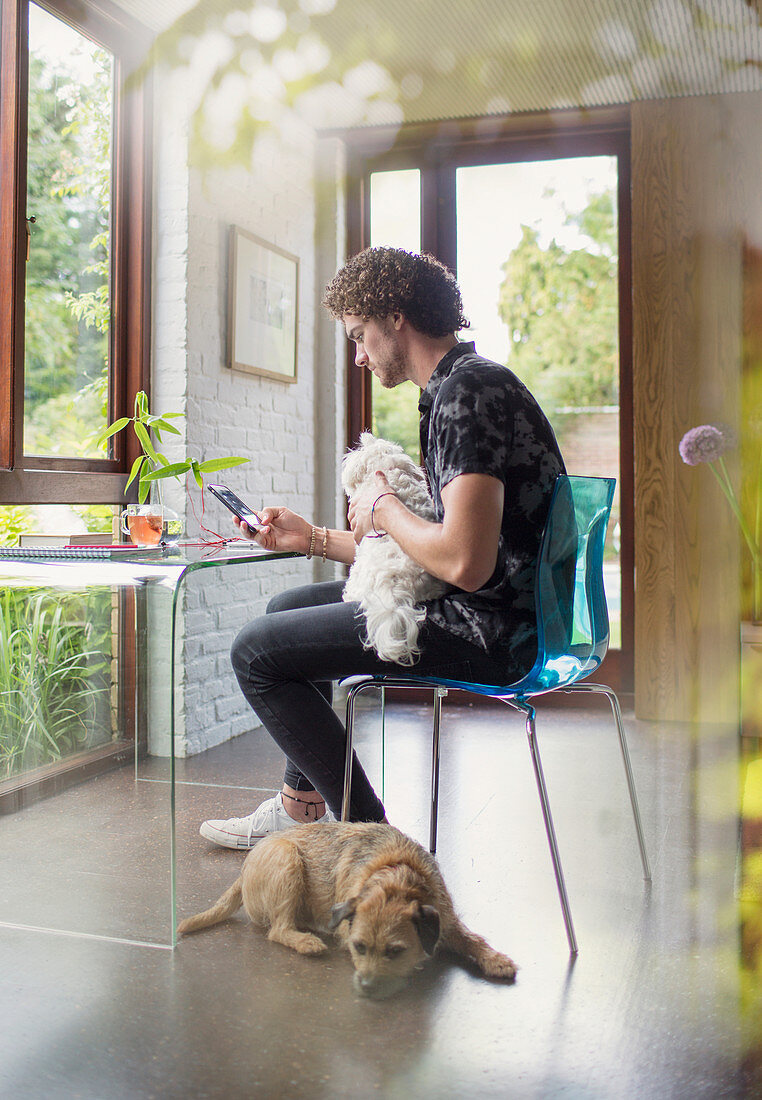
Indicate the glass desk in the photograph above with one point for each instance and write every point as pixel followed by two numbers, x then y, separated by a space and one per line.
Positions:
pixel 87 648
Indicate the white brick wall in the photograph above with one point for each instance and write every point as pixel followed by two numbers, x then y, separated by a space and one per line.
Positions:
pixel 275 424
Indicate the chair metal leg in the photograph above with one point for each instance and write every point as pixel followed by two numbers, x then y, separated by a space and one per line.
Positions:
pixel 549 827
pixel 439 694
pixel 383 744
pixel 601 689
pixel 352 692
pixel 350 723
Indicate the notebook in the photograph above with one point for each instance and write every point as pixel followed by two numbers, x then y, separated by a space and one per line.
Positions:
pixel 67 553
pixel 40 541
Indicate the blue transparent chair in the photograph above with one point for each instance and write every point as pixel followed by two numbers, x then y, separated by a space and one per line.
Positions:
pixel 573 638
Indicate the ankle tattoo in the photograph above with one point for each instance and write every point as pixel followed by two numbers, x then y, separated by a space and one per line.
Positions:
pixel 307 806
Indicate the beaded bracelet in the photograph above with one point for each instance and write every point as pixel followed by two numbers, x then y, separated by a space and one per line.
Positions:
pixel 324 540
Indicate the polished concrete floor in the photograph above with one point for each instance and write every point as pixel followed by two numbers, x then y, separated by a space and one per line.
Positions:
pixel 664 999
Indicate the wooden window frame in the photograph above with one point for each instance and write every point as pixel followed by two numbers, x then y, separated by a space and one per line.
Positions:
pixel 438 150
pixel 26 479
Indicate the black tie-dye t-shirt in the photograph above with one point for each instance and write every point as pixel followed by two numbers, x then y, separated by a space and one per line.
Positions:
pixel 478 418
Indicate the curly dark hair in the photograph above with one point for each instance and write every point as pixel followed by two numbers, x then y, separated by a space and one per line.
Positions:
pixel 380 281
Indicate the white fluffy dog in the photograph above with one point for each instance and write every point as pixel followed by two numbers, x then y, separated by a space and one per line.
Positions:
pixel 386 582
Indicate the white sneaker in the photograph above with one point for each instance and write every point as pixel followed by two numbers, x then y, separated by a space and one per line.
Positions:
pixel 244 832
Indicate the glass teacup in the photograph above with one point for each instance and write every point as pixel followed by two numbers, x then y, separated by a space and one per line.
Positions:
pixel 150 524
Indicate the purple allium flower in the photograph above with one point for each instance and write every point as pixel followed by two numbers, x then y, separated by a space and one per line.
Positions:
pixel 702 444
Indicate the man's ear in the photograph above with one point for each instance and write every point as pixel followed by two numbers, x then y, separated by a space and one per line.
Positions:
pixel 345 911
pixel 398 320
pixel 426 923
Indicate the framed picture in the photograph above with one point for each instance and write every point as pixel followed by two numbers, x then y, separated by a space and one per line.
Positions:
pixel 262 319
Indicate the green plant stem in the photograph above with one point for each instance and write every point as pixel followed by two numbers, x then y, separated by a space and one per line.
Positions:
pixel 723 480
pixel 727 488
pixel 757 579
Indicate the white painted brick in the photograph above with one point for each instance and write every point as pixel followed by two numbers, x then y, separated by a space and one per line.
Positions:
pixel 200 716
pixel 244 723
pixel 226 709
pixel 285 483
pixel 233 412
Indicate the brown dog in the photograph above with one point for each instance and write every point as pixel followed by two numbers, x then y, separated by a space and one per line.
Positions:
pixel 379 891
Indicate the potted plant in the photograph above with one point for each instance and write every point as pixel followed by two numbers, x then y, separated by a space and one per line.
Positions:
pixel 152 466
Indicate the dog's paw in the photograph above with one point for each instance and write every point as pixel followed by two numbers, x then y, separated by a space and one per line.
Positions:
pixel 495 965
pixel 303 942
pixel 310 945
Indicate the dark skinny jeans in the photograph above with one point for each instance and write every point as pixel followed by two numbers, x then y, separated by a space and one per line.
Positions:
pixel 286 662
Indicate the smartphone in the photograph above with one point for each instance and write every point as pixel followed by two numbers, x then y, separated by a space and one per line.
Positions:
pixel 236 506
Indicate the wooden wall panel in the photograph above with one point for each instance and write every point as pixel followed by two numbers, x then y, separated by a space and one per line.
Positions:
pixel 696 169
pixel 653 329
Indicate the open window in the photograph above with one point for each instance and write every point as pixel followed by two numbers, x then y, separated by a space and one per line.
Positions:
pixel 74 217
pixel 74 350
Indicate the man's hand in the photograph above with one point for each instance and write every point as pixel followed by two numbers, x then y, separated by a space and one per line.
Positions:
pixel 284 530
pixel 359 513
pixel 281 529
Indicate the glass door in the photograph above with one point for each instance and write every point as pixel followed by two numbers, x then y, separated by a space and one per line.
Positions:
pixel 395 222
pixel 537 262
pixel 535 225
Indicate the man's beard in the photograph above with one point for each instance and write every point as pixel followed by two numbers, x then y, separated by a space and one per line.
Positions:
pixel 393 373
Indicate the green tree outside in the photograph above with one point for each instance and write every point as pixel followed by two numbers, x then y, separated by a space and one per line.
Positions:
pixel 561 308
pixel 67 306
pixel 67 289
pixel 395 416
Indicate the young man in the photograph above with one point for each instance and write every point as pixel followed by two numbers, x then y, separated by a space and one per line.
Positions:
pixel 492 461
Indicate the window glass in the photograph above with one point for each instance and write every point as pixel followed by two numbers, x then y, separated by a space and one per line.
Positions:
pixel 538 267
pixel 395 221
pixel 58 675
pixel 395 209
pixel 67 307
pixel 37 523
pixel 59 649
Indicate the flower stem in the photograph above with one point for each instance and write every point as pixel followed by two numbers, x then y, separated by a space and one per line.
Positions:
pixel 756 570
pixel 723 479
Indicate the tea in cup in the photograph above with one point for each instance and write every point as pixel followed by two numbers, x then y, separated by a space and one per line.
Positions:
pixel 144 523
